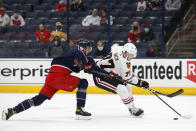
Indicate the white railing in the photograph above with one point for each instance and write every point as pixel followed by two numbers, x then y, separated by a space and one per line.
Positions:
pixel 177 33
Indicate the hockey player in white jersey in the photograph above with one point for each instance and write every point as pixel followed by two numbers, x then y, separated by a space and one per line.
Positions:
pixel 119 62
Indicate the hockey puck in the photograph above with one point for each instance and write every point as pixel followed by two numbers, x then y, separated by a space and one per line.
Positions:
pixel 175 118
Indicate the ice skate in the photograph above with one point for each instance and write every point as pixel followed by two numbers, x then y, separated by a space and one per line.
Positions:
pixel 6 114
pixel 136 112
pixel 82 115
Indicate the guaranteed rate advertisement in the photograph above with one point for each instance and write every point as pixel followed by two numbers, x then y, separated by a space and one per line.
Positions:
pixel 166 72
pixel 158 72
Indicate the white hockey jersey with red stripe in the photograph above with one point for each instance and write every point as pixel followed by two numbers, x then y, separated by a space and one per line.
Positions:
pixel 116 63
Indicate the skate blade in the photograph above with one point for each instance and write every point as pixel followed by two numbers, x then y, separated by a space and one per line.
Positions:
pixel 3 117
pixel 140 116
pixel 79 117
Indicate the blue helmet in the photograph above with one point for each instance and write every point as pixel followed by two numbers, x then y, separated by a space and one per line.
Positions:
pixel 83 43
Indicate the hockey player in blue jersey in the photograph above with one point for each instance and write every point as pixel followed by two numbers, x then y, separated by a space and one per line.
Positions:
pixel 60 78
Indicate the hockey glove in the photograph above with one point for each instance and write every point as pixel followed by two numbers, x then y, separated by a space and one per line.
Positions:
pixel 115 77
pixel 144 84
pixel 89 71
pixel 88 68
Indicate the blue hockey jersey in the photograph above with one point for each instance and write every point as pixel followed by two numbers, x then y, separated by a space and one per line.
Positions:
pixel 68 59
pixel 76 54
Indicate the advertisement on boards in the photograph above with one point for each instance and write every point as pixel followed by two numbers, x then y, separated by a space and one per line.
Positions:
pixel 158 72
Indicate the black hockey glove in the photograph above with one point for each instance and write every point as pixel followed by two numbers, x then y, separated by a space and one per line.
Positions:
pixel 115 77
pixel 89 71
pixel 144 84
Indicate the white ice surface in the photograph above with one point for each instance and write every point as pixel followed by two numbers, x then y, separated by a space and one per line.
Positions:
pixel 108 113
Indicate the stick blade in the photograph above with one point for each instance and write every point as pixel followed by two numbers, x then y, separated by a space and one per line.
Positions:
pixel 176 93
pixel 189 116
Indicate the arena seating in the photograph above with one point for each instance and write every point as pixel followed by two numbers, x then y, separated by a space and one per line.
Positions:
pixel 35 12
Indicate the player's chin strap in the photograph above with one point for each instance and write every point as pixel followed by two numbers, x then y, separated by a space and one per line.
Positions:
pixel 151 90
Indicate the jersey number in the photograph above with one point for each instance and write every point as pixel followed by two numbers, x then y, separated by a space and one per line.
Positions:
pixel 110 65
pixel 110 62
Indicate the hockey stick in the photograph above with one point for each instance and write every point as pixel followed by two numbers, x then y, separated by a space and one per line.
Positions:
pixel 170 95
pixel 183 116
pixel 151 90
pixel 155 93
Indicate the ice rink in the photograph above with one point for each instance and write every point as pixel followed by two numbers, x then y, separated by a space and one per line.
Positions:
pixel 108 114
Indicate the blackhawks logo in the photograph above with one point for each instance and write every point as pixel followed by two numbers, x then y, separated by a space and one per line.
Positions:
pixel 42 37
pixel 128 65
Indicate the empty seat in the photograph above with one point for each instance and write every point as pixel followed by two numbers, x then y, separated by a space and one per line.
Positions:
pixel 154 14
pixel 115 29
pixel 171 13
pixel 22 45
pixel 44 15
pixel 2 30
pixel 49 22
pixel 19 1
pixel 19 36
pixel 158 21
pixel 149 20
pixel 145 45
pixel 31 15
pixel 77 20
pixel 64 21
pixel 50 2
pixel 6 36
pixel 6 51
pixel 26 53
pixel 130 7
pixel 92 36
pixel 39 7
pixel 36 22
pixel 95 6
pixel 50 7
pixel 141 53
pixel 120 6
pixel 125 29
pixel 30 28
pixel 115 13
pixel 83 13
pixel 8 2
pixel 13 28
pixel 57 15
pixel 120 36
pixel 73 14
pixel 126 14
pixel 32 2
pixel 31 36
pixel 121 21
pixel 103 36
pixel 156 28
pixel 167 20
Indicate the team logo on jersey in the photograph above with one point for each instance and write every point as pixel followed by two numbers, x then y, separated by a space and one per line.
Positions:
pixel 128 65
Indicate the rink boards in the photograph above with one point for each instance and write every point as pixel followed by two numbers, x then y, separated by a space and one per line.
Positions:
pixel 166 75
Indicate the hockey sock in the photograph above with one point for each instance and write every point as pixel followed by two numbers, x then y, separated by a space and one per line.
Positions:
pixel 81 93
pixel 125 95
pixel 128 102
pixel 26 104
